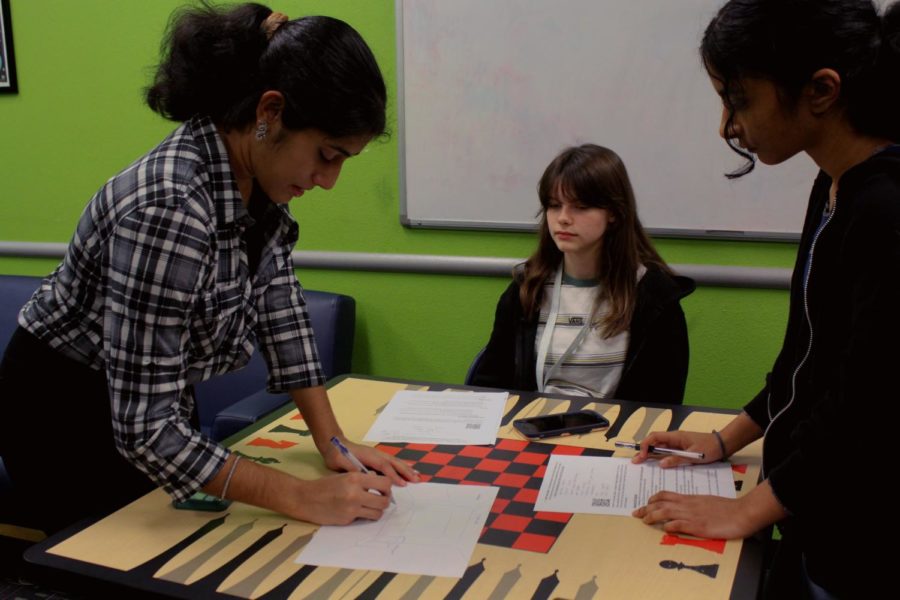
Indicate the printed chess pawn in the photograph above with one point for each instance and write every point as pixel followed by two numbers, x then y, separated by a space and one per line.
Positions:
pixel 708 570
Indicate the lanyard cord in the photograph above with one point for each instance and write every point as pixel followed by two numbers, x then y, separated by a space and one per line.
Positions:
pixel 547 336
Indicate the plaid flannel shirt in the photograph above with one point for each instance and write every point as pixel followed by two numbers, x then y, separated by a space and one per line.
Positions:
pixel 155 289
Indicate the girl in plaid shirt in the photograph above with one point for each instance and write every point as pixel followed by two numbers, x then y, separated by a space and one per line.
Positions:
pixel 179 266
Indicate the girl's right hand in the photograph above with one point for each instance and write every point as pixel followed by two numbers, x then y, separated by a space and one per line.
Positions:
pixel 693 441
pixel 340 499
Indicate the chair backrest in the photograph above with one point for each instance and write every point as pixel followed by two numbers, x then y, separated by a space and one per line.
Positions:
pixel 15 290
pixel 475 362
pixel 333 318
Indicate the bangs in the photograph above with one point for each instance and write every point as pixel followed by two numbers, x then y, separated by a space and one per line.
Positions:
pixel 577 178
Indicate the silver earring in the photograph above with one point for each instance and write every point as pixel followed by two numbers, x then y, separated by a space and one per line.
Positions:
pixel 262 130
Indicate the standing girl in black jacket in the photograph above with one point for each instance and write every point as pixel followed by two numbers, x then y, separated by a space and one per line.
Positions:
pixel 821 77
pixel 616 328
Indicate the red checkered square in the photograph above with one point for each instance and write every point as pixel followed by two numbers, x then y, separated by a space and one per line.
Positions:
pixel 436 458
pixel 511 522
pixel 452 472
pixel 534 542
pixel 392 450
pixel 422 447
pixel 511 480
pixel 515 445
pixel 499 505
pixel 530 458
pixel 475 451
pixel 526 495
pixel 570 450
pixel 494 466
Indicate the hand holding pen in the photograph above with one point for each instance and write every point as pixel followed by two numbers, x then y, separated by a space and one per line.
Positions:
pixel 663 451
pixel 678 448
pixel 357 464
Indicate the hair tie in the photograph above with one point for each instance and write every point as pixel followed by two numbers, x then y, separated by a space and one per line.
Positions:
pixel 721 445
pixel 272 23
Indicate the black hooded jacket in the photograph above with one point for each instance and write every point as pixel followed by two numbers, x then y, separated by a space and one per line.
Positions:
pixel 830 404
pixel 656 363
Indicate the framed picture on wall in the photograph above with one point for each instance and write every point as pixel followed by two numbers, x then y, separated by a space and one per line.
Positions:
pixel 7 58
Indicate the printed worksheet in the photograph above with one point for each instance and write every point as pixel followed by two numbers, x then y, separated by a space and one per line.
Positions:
pixel 616 486
pixel 456 418
pixel 432 530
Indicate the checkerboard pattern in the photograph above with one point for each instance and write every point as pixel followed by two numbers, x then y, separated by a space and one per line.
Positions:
pixel 515 466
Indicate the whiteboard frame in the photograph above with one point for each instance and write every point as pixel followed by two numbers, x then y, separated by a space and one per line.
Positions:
pixel 467 224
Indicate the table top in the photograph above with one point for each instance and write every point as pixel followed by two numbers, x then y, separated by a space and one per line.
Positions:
pixel 248 552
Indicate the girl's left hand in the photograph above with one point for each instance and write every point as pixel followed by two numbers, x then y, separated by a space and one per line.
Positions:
pixel 702 516
pixel 393 468
pixel 714 516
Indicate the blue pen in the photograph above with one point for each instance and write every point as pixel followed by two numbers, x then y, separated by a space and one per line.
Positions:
pixel 354 461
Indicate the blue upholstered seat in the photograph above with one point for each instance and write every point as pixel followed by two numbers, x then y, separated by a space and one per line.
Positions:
pixel 476 362
pixel 333 318
pixel 219 400
pixel 15 290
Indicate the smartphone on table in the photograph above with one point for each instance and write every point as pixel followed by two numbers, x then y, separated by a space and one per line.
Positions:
pixel 567 423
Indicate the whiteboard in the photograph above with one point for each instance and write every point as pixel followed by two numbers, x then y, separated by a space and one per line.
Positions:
pixel 491 90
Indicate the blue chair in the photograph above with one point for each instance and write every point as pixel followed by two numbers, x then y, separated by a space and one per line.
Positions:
pixel 475 364
pixel 230 402
pixel 333 318
pixel 15 290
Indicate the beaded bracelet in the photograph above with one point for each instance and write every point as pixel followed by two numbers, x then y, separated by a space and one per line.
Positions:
pixel 721 444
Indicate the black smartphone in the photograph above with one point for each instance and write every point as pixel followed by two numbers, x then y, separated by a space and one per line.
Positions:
pixel 568 423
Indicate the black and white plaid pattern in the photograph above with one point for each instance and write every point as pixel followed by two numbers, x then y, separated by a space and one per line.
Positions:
pixel 155 289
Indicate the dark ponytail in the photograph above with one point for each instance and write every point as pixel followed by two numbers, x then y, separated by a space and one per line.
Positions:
pixel 218 62
pixel 884 117
pixel 786 41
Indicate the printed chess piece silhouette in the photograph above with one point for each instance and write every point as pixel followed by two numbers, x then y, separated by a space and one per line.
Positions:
pixel 708 570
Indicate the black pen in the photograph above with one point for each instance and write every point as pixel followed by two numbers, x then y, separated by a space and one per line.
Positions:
pixel 658 450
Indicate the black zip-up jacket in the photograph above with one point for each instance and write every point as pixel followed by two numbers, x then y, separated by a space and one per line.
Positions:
pixel 656 363
pixel 839 364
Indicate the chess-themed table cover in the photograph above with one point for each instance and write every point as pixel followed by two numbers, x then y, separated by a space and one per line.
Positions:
pixel 248 552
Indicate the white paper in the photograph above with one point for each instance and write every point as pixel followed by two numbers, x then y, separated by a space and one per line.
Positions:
pixel 454 418
pixel 616 486
pixel 432 530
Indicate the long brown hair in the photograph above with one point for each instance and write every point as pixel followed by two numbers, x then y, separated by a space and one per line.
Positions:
pixel 594 176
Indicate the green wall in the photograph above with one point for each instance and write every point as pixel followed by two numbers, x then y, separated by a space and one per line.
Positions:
pixel 78 119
